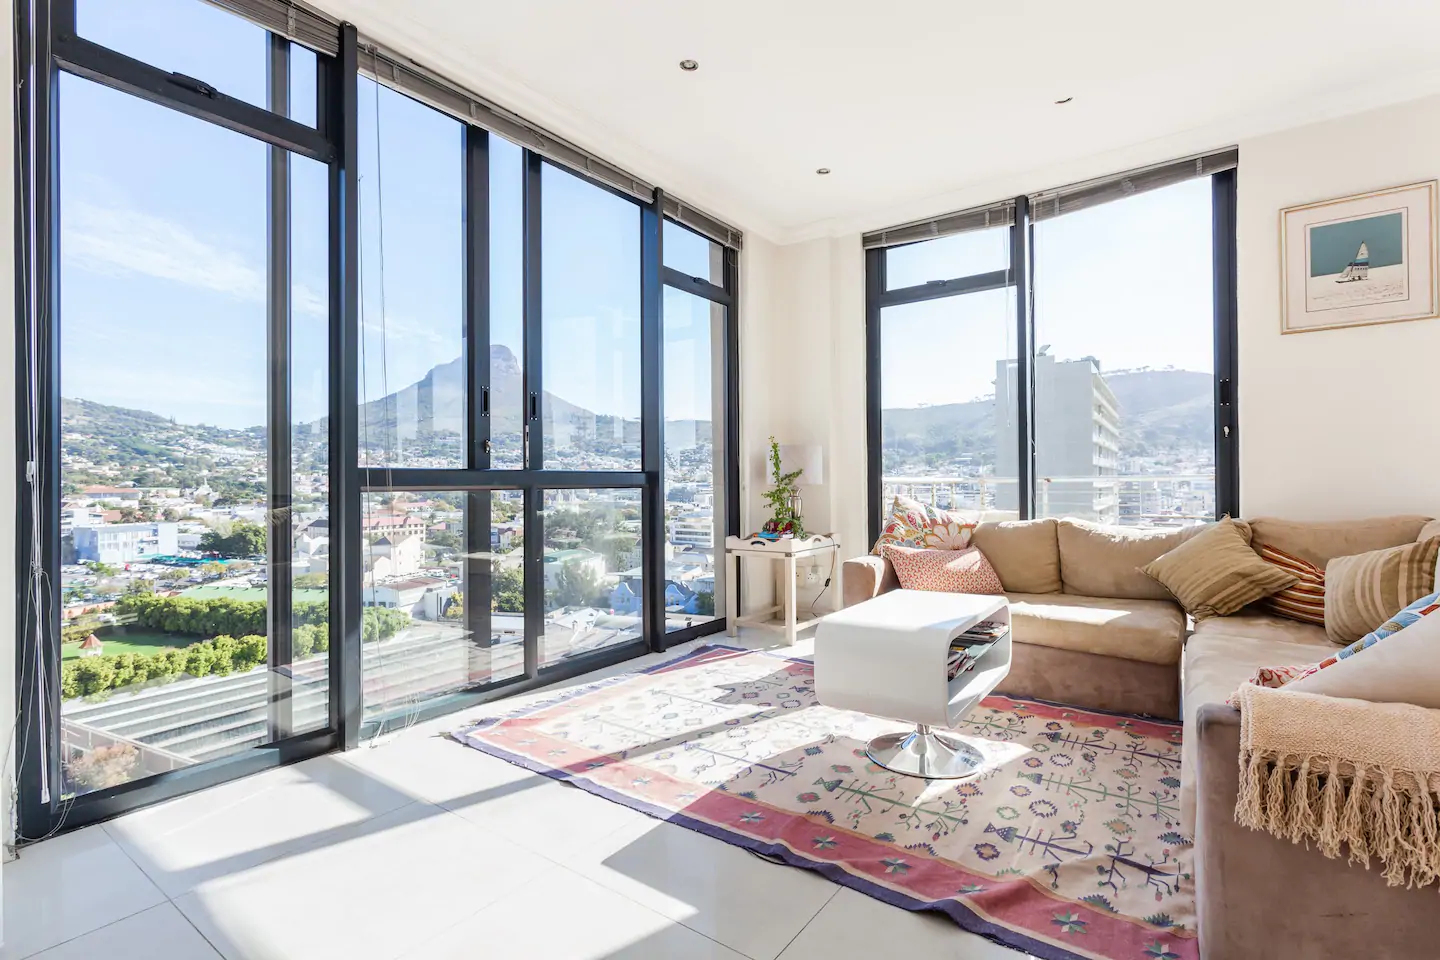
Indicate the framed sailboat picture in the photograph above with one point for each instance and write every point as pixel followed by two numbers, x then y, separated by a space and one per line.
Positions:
pixel 1359 260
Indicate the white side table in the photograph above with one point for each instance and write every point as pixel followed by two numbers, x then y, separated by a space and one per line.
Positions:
pixel 887 657
pixel 787 551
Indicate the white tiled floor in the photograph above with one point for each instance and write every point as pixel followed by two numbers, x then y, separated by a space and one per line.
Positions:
pixel 422 849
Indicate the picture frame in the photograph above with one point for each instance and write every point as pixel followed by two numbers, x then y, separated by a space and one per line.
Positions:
pixel 1360 260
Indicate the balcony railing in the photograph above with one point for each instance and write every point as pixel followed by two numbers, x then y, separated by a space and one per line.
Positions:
pixel 1142 500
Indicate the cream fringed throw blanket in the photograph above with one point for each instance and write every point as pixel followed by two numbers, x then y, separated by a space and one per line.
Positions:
pixel 1343 772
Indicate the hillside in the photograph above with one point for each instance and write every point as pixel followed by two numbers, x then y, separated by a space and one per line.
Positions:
pixel 1160 411
pixel 104 444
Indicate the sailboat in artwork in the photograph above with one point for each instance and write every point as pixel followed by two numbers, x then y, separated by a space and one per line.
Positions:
pixel 1357 269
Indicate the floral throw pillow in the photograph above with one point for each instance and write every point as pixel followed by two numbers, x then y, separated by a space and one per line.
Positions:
pixel 911 523
pixel 1280 676
pixel 943 571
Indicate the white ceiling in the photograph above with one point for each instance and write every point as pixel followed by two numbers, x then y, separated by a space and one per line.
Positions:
pixel 918 106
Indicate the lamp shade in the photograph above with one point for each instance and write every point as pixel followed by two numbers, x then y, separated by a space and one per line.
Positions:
pixel 806 457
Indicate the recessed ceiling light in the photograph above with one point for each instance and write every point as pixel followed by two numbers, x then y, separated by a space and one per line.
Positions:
pixel 1066 100
pixel 823 171
pixel 689 66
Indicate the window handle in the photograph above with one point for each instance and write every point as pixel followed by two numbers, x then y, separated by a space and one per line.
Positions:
pixel 484 401
pixel 193 85
pixel 534 406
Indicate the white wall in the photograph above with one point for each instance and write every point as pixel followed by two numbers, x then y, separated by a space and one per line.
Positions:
pixel 1334 423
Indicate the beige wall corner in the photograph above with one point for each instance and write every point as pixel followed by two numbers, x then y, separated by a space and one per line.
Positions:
pixel 1332 423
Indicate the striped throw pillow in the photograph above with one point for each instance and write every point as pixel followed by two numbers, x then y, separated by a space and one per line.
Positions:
pixel 1305 601
pixel 1215 573
pixel 1361 592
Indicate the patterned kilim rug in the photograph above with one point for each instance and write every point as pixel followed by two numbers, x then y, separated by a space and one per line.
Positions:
pixel 1065 844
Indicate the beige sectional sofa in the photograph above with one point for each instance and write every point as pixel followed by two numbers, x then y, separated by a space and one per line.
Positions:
pixel 1091 630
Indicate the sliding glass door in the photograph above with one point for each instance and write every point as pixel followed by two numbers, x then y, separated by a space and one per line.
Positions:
pixel 341 410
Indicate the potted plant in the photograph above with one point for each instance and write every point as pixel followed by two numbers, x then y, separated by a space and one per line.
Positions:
pixel 782 496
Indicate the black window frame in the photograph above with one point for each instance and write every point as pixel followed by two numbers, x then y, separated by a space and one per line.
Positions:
pixel 1019 276
pixel 47 44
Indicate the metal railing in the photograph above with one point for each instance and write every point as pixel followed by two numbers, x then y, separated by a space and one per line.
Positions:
pixel 1151 499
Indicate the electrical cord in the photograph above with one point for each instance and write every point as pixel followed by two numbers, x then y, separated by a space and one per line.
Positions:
pixel 829 577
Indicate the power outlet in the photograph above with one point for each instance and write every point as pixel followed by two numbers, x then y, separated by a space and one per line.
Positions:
pixel 808 576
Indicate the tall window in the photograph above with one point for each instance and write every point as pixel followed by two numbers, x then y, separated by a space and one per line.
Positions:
pixel 1125 371
pixel 697 482
pixel 191 600
pixel 1108 397
pixel 348 411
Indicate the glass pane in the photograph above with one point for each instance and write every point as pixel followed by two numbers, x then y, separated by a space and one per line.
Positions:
pixel 945 258
pixel 694 477
pixel 200 41
pixel 507 304
pixel 303 84
pixel 949 432
pixel 590 325
pixel 309 519
pixel 412 283
pixel 1124 393
pixel 689 252
pixel 163 457
pixel 593 581
pixel 421 638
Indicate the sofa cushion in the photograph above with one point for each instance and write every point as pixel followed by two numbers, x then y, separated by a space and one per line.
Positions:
pixel 1105 561
pixel 1305 600
pixel 1215 573
pixel 1023 552
pixel 1320 542
pixel 1223 653
pixel 1150 631
pixel 943 571
pixel 1363 591
pixel 915 524
pixel 1405 668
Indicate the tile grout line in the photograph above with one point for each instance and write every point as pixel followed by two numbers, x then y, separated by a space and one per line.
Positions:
pixel 806 925
pixel 103 926
pixel 210 943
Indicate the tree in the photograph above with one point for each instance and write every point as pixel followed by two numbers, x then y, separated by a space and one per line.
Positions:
pixel 444 538
pixel 507 589
pixel 244 539
pixel 312 581
pixel 170 515
pixel 705 604
pixel 102 570
pixel 575 585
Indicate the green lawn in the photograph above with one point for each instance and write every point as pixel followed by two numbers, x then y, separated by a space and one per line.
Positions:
pixel 127 640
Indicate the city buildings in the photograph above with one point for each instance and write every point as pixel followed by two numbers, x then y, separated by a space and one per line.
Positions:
pixel 1077 437
pixel 120 543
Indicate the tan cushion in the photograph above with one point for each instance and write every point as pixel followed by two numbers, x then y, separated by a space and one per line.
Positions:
pixel 1105 561
pixel 1402 668
pixel 1363 591
pixel 1431 529
pixel 1023 552
pixel 1320 542
pixel 1150 631
pixel 1215 572
pixel 1223 653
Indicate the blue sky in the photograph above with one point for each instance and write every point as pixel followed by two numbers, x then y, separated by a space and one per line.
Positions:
pixel 1127 282
pixel 164 244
